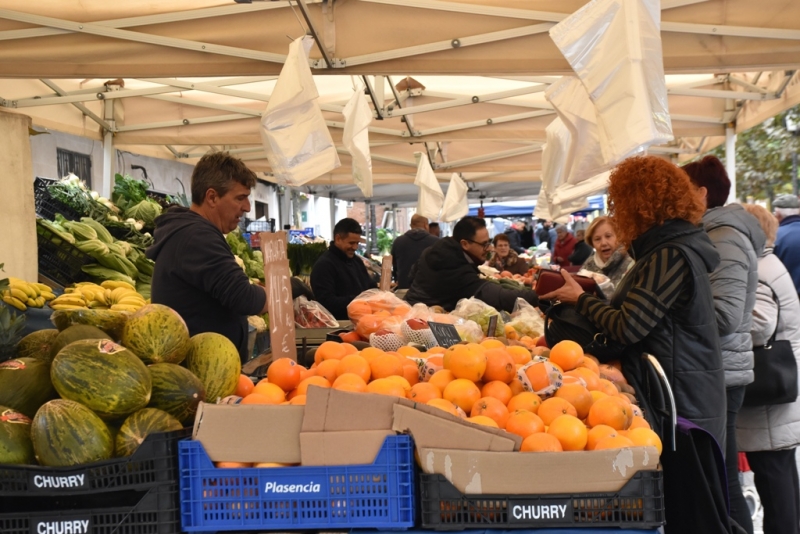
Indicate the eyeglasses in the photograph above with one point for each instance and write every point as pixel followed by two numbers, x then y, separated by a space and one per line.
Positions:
pixel 485 244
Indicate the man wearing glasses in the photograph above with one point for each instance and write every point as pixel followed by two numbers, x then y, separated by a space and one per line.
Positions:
pixel 448 271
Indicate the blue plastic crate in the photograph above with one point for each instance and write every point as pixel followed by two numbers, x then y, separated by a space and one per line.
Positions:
pixel 378 495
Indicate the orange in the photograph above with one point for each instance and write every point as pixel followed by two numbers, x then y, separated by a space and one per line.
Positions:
pixel 596 395
pixel 636 410
pixel 423 392
pixel 356 364
pixel 611 411
pixel 329 350
pixel 445 405
pixel 613 442
pixel 257 398
pixel 578 396
pixel 302 388
pixel 638 422
pixel 608 387
pixel 305 373
pixel 570 432
pixel 298 400
pixel 596 433
pixel 524 423
pixel 385 365
pixel 271 391
pixel 541 442
pixel 521 355
pixel 516 387
pixel 497 389
pixel 350 382
pixel 402 381
pixel 553 408
pixel 492 343
pixel 566 354
pixel 384 386
pixel 644 437
pixel 591 380
pixel 590 364
pixel 401 310
pixel 349 337
pixel 369 324
pixel 285 373
pixel 491 407
pixel 410 370
pixel 525 401
pixel 543 376
pixel 436 350
pixel 465 363
pixel 407 350
pixel 441 378
pixel 230 465
pixel 483 420
pixel 327 369
pixel 244 387
pixel 499 366
pixel 371 352
pixel 357 309
pixel 612 373
pixel 349 349
pixel 462 392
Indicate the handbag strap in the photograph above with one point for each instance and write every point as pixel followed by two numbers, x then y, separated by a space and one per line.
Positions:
pixel 771 340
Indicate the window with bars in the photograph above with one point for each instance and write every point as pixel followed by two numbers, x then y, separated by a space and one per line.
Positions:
pixel 76 163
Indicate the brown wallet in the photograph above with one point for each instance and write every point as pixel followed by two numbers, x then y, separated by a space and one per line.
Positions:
pixel 551 280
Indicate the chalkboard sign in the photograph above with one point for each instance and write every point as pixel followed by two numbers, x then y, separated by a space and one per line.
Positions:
pixel 446 334
pixel 279 295
pixel 491 329
pixel 386 273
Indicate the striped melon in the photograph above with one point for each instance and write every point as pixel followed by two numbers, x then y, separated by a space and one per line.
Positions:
pixel 139 425
pixel 109 321
pixel 157 334
pixel 25 384
pixel 76 333
pixel 214 359
pixel 38 345
pixel 15 438
pixel 103 376
pixel 67 433
pixel 176 391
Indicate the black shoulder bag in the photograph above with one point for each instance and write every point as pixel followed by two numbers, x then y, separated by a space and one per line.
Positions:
pixel 775 370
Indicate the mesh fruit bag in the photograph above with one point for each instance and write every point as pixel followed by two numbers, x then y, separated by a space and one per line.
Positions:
pixel 417 331
pixel 386 340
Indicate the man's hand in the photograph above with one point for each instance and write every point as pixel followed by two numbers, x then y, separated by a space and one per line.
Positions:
pixel 568 293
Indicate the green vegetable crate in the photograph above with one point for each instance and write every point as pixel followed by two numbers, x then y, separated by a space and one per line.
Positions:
pixel 60 261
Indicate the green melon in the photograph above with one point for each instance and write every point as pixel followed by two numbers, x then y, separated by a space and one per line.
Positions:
pixel 38 345
pixel 15 438
pixel 102 375
pixel 76 333
pixel 139 425
pixel 176 391
pixel 157 334
pixel 109 321
pixel 25 384
pixel 215 361
pixel 68 433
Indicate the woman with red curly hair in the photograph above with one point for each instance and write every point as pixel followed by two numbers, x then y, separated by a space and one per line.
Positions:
pixel 664 307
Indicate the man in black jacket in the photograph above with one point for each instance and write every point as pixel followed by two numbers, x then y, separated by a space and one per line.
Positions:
pixel 339 275
pixel 196 273
pixel 407 249
pixel 448 271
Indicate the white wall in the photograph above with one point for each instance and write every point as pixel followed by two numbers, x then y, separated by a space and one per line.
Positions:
pixel 265 193
pixel 45 161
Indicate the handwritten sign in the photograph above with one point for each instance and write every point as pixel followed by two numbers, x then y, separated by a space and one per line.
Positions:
pixel 279 295
pixel 491 329
pixel 386 273
pixel 446 334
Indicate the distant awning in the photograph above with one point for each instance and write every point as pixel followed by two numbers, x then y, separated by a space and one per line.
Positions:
pixel 505 210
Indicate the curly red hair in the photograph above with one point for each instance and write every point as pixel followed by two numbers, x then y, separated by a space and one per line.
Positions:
pixel 646 191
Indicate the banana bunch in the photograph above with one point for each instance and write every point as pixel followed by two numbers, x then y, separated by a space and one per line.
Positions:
pixel 110 295
pixel 23 295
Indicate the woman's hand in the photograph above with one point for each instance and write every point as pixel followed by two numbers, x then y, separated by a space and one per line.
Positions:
pixel 568 293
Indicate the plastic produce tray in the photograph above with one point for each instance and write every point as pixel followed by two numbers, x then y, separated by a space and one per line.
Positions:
pixel 639 504
pixel 47 206
pixel 154 463
pixel 156 511
pixel 60 262
pixel 378 495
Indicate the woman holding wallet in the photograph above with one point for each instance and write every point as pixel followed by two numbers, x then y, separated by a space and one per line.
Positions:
pixel 664 307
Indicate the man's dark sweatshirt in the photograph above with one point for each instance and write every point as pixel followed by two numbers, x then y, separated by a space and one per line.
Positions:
pixel 197 276
pixel 336 280
pixel 406 250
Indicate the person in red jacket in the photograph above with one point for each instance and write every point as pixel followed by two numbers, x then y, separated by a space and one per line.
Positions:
pixel 565 244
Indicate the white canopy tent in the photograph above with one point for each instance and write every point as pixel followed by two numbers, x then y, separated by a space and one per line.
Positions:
pixel 462 81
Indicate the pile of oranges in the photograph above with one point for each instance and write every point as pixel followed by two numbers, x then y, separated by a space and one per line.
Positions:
pixel 567 401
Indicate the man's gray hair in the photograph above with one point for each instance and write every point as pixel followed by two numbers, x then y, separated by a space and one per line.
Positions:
pixel 786 212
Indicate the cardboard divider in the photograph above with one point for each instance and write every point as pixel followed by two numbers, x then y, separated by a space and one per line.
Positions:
pixel 331 410
pixel 353 447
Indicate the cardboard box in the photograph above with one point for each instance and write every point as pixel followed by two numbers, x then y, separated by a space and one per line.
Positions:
pixel 433 428
pixel 249 433
pixel 352 447
pixel 331 410
pixel 515 473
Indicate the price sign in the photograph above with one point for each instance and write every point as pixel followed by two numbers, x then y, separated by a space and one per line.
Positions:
pixel 279 295
pixel 491 330
pixel 386 273
pixel 446 334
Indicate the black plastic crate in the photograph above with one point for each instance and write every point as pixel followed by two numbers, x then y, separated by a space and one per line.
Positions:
pixel 59 260
pixel 47 206
pixel 639 504
pixel 156 511
pixel 154 463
